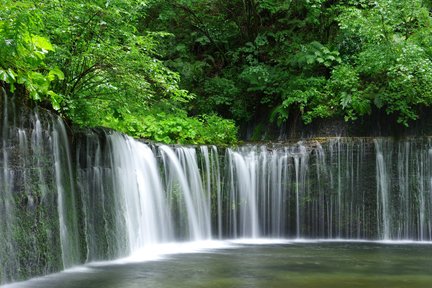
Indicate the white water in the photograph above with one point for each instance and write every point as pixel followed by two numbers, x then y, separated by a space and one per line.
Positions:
pixel 185 189
pixel 66 201
pixel 137 180
pixel 383 197
pixel 244 193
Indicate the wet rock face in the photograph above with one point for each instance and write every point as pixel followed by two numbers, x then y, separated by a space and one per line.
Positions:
pixel 28 210
pixel 376 124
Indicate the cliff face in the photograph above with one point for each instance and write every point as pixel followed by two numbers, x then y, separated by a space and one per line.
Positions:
pixel 376 124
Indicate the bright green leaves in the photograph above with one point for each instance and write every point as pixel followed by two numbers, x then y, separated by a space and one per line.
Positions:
pixel 243 59
pixel 377 58
pixel 176 127
pixel 55 73
pixel 112 74
pixel 23 52
pixel 409 83
pixel 92 61
pixel 7 76
pixel 42 44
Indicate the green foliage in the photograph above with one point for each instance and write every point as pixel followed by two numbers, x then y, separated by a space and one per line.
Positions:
pixel 153 68
pixel 345 86
pixel 103 56
pixel 393 60
pixel 315 53
pixel 109 69
pixel 23 51
pixel 177 128
pixel 313 59
pixel 307 95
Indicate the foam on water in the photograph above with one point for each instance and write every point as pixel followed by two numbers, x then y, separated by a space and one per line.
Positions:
pixel 259 241
pixel 163 251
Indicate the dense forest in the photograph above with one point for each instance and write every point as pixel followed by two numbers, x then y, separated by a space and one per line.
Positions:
pixel 193 71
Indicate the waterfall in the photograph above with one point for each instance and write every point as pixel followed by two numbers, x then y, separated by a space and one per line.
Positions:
pixel 244 180
pixel 69 198
pixel 29 219
pixel 185 188
pixel 7 213
pixel 66 202
pixel 383 187
pixel 137 195
pixel 136 179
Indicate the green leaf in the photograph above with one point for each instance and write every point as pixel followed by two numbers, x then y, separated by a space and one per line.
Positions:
pixel 42 43
pixel 3 75
pixel 56 72
pixel 55 100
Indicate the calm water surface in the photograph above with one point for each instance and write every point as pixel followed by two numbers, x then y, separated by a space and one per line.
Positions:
pixel 322 264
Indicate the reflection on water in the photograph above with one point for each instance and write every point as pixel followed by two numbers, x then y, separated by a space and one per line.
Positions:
pixel 278 264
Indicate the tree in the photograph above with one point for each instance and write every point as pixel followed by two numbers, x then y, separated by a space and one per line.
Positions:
pixel 23 52
pixel 109 69
pixel 309 59
pixel 391 57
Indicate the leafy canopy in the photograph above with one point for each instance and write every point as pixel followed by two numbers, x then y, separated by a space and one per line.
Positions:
pixel 309 59
pixel 170 70
pixel 95 63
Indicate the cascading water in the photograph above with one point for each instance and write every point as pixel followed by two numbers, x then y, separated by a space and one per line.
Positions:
pixel 137 180
pixel 66 203
pixel 29 223
pixel 102 195
pixel 189 201
pixel 338 189
pixel 383 197
pixel 244 168
pixel 212 180
pixel 135 195
pixel 7 212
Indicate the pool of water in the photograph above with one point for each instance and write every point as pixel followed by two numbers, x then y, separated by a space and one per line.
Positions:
pixel 251 264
